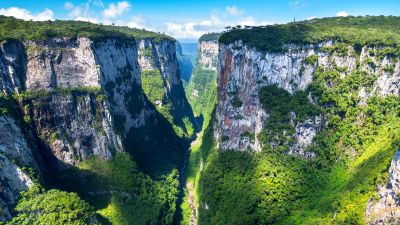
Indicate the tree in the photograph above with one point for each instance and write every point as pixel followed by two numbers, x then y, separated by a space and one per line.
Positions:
pixel 37 206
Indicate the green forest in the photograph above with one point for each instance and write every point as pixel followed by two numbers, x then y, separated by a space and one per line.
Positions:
pixel 353 151
pixel 353 31
pixel 33 30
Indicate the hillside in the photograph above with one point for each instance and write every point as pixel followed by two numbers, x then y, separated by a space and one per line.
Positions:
pixel 306 125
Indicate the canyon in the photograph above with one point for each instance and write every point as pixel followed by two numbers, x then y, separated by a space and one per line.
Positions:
pixel 295 123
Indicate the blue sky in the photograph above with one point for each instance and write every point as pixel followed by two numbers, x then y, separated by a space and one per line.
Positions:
pixel 187 20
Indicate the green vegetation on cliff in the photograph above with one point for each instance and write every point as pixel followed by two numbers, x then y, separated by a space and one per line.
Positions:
pixel 33 30
pixel 209 37
pixel 283 108
pixel 139 187
pixel 355 31
pixel 181 119
pixel 153 85
pixel 8 105
pixel 353 155
pixel 352 152
pixel 202 91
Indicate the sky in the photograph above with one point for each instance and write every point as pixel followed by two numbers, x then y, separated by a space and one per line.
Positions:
pixel 188 20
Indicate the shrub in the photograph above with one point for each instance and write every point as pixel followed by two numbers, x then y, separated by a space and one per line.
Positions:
pixel 311 60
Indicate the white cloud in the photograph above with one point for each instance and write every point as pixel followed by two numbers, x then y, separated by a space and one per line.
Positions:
pixel 85 19
pixel 84 11
pixel 186 30
pixel 81 11
pixel 342 14
pixel 138 21
pixel 250 21
pixel 68 5
pixel 24 14
pixel 217 22
pixel 47 14
pixel 233 11
pixel 311 18
pixel 116 9
pixel 98 3
pixel 297 4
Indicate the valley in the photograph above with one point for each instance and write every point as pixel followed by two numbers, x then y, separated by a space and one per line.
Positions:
pixel 294 123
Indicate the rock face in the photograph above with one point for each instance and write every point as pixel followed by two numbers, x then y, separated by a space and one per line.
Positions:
pixel 305 132
pixel 12 66
pixel 82 97
pixel 208 55
pixel 207 61
pixel 15 156
pixel 82 123
pixel 244 70
pixel 386 208
pixel 161 56
pixel 61 62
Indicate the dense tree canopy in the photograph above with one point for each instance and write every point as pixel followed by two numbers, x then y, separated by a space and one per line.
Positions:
pixel 12 28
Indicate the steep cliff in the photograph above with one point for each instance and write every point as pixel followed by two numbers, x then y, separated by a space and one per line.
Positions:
pixel 87 96
pixel 385 208
pixel 202 84
pixel 162 84
pixel 310 110
pixel 16 156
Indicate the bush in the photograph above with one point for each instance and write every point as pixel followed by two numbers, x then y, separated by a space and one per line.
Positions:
pixel 311 60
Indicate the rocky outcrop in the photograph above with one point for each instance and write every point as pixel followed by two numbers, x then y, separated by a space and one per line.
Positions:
pixel 61 63
pixel 161 57
pixel 76 126
pixel 385 208
pixel 304 134
pixel 12 67
pixel 244 70
pixel 208 55
pixel 16 159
